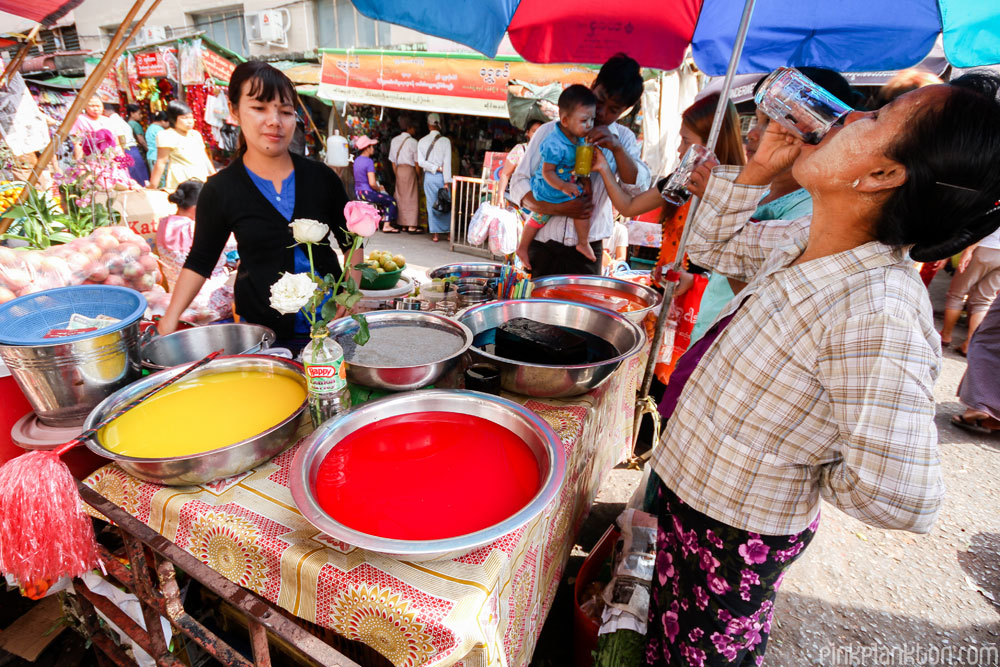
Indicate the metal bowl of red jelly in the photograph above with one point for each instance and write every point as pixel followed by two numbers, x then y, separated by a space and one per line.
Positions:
pixel 428 475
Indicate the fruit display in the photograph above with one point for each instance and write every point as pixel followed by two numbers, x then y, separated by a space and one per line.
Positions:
pixel 112 255
pixel 384 261
pixel 9 192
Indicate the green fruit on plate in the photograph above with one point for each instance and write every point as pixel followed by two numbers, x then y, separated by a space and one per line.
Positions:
pixel 380 269
pixel 399 260
pixel 389 266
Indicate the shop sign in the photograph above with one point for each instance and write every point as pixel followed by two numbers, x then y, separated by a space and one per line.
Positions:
pixel 424 82
pixel 150 65
pixel 217 66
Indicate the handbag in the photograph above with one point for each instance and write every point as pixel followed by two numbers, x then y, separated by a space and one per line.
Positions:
pixel 442 204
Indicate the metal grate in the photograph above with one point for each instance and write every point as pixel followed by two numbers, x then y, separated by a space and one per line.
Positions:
pixel 466 196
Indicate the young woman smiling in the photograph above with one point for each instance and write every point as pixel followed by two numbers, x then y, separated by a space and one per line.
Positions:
pixel 255 198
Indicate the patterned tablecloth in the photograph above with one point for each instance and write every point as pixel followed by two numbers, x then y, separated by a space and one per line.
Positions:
pixel 485 608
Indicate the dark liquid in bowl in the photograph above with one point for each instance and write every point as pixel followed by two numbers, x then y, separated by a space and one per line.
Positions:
pixel 598 349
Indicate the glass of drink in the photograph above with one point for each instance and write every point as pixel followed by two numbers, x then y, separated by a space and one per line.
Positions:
pixel 584 159
pixel 675 190
pixel 483 377
pixel 797 104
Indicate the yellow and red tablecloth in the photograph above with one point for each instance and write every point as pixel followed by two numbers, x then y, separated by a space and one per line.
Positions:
pixel 483 609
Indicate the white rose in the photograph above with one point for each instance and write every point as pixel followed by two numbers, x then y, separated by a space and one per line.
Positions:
pixel 308 231
pixel 292 292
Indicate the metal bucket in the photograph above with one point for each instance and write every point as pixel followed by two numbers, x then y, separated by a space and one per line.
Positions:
pixel 65 381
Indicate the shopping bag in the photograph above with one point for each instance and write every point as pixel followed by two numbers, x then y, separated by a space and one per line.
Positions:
pixel 683 315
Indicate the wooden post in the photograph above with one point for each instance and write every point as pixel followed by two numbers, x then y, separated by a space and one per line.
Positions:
pixel 15 63
pixel 115 49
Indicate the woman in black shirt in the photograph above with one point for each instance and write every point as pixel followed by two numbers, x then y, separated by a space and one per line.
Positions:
pixel 255 198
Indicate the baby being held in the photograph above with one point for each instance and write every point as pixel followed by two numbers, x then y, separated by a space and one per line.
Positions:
pixel 554 180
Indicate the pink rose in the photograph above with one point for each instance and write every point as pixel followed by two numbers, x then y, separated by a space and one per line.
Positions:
pixel 362 218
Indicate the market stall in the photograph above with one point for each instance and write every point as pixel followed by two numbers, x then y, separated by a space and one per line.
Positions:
pixel 254 511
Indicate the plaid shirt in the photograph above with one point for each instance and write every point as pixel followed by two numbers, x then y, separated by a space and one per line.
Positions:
pixel 822 383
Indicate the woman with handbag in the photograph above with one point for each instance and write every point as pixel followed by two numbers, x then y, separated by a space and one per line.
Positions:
pixel 434 157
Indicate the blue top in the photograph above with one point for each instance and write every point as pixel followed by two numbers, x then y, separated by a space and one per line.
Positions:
pixel 151 132
pixel 284 203
pixel 718 293
pixel 557 149
pixel 362 166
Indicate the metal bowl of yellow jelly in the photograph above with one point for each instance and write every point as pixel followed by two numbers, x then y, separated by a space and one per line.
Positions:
pixel 223 419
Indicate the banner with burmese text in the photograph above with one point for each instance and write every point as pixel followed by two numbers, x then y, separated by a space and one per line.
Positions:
pixel 446 83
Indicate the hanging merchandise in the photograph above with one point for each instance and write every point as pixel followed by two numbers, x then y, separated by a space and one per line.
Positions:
pixel 170 64
pixel 132 75
pixel 149 92
pixel 192 67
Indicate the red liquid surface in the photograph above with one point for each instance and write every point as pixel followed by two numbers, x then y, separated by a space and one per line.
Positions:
pixel 427 475
pixel 592 295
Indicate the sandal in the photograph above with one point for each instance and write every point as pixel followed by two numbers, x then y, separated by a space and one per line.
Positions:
pixel 390 231
pixel 973 425
pixel 414 230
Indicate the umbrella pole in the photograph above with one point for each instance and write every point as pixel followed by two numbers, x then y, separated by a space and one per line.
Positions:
pixel 115 49
pixel 645 404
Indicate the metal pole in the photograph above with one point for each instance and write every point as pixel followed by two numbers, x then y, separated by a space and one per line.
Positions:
pixel 643 402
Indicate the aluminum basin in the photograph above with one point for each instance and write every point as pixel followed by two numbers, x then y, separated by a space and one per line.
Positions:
pixel 187 345
pixel 217 463
pixel 544 381
pixel 403 377
pixel 649 296
pixel 524 423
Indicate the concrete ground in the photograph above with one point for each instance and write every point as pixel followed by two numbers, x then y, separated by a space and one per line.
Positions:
pixel 859 595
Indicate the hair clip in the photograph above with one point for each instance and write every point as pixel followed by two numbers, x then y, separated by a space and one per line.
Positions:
pixel 957 187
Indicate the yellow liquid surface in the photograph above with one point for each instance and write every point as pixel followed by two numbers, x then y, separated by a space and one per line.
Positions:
pixel 204 413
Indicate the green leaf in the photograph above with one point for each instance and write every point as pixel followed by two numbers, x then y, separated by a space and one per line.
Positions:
pixel 352 299
pixel 368 274
pixel 363 335
pixel 62 237
pixel 329 280
pixel 330 310
pixel 19 211
pixel 350 285
pixel 341 299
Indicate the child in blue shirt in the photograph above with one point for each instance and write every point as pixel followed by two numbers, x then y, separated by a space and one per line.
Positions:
pixel 554 180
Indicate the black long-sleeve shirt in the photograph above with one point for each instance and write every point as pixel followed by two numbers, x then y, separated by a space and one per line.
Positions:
pixel 231 203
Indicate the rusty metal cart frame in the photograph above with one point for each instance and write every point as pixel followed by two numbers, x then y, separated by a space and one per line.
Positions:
pixel 152 578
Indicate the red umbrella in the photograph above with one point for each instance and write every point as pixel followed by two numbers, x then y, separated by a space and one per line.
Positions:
pixel 46 12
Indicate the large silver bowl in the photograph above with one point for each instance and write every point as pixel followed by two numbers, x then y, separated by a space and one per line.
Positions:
pixel 527 425
pixel 404 377
pixel 543 381
pixel 187 345
pixel 466 271
pixel 217 463
pixel 648 295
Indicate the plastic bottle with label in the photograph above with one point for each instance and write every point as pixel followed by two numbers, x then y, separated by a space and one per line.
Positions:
pixel 326 378
pixel 337 153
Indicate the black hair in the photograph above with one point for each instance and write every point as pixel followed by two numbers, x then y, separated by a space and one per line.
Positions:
pixel 575 96
pixel 186 194
pixel 833 82
pixel 132 108
pixel 531 123
pixel 266 83
pixel 950 153
pixel 405 123
pixel 621 79
pixel 175 110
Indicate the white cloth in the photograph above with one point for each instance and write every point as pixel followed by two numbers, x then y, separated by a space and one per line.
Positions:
pixel 403 149
pixel 991 241
pixel 618 239
pixel 438 159
pixel 121 129
pixel 560 228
